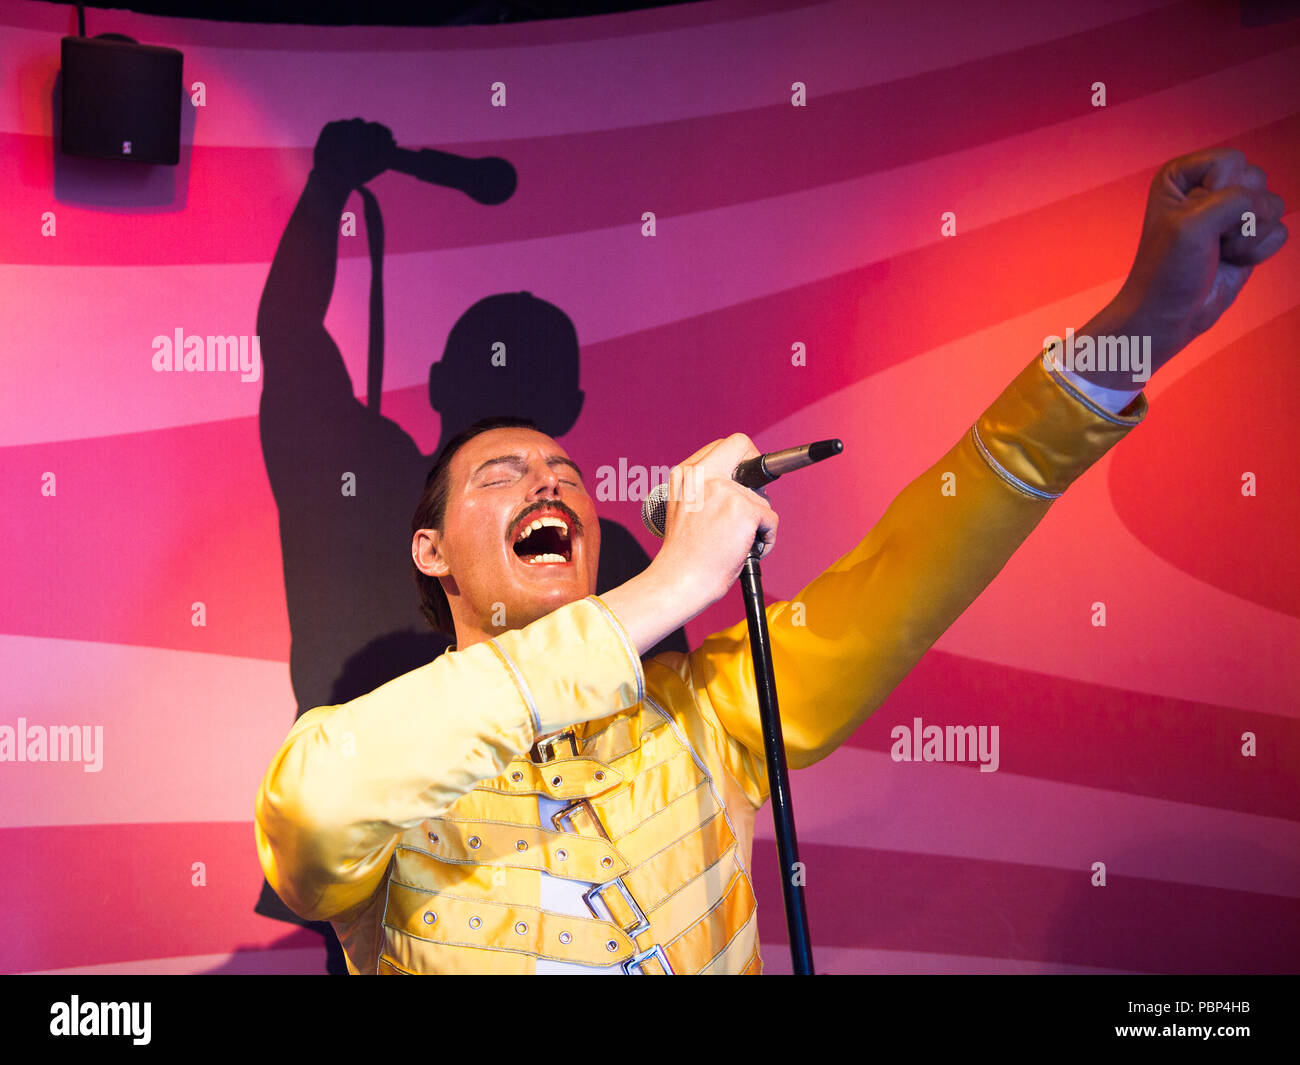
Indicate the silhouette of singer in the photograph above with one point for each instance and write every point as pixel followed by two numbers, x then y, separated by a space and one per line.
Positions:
pixel 345 479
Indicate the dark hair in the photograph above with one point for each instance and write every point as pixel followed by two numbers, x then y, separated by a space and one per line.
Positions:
pixel 432 509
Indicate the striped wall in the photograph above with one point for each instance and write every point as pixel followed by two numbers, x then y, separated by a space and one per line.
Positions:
pixel 775 225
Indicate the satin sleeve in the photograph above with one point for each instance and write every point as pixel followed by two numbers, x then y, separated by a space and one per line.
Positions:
pixel 864 623
pixel 348 779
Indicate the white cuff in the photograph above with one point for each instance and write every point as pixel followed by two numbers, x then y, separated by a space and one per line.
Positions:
pixel 1111 399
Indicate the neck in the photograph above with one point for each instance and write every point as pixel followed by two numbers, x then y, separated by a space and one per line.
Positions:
pixel 472 630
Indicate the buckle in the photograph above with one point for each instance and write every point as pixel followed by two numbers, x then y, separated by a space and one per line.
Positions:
pixel 544 750
pixel 564 821
pixel 639 923
pixel 637 961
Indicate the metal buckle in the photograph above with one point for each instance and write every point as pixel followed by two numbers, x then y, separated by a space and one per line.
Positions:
pixel 563 821
pixel 639 925
pixel 544 751
pixel 638 960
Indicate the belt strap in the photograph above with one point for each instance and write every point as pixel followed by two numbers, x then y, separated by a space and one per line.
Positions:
pixel 479 923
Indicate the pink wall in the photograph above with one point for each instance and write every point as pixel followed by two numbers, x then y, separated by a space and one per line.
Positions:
pixel 776 225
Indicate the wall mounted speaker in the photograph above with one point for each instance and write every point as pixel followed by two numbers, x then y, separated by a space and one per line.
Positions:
pixel 121 100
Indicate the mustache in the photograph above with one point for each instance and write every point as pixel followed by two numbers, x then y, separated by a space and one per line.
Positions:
pixel 575 522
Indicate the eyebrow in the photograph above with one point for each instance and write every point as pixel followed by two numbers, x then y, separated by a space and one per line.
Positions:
pixel 520 463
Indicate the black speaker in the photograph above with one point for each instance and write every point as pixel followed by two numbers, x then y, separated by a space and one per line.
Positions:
pixel 121 100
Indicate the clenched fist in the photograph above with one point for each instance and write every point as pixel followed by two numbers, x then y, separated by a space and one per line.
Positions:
pixel 1210 220
pixel 713 521
pixel 350 153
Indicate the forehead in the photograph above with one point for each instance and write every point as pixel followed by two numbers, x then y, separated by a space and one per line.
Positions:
pixel 498 442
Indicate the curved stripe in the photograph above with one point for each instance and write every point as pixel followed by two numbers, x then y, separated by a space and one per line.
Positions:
pixel 831 960
pixel 864 899
pixel 184 736
pixel 1214 528
pixel 676 73
pixel 860 798
pixel 162 765
pixel 1101 736
pixel 153 475
pixel 726 300
pixel 575 184
pixel 158 523
pixel 888 901
pixel 1036 615
pixel 144 894
pixel 308 960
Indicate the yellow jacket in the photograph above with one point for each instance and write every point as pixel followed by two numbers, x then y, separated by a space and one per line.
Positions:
pixel 420 820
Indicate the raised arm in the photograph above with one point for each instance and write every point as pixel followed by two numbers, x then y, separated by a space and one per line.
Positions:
pixel 846 640
pixel 301 360
pixel 843 644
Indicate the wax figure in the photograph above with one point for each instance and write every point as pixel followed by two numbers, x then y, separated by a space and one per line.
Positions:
pixel 540 799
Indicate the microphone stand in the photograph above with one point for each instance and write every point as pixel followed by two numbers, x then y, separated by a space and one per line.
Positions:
pixel 754 473
pixel 787 847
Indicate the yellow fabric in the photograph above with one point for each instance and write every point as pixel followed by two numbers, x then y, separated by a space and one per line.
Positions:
pixel 409 817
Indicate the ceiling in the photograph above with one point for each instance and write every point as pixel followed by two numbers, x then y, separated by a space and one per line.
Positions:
pixel 375 12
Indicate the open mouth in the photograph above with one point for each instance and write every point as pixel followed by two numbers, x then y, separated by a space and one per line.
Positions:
pixel 545 540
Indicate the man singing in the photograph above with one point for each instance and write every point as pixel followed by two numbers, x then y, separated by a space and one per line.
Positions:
pixel 539 799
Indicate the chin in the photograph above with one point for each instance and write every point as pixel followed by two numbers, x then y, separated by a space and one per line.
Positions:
pixel 542 603
pixel 546 602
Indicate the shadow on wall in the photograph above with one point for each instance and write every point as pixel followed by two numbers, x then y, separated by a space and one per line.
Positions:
pixel 346 479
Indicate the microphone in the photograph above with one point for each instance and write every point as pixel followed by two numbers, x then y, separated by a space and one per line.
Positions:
pixel 489 180
pixel 752 473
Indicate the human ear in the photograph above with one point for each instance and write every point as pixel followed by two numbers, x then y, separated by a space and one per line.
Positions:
pixel 427 551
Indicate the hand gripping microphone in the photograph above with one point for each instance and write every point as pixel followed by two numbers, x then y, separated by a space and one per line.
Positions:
pixel 752 473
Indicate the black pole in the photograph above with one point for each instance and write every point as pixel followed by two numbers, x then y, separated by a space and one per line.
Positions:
pixel 787 847
pixel 375 357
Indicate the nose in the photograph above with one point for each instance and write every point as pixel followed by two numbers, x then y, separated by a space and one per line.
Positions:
pixel 546 482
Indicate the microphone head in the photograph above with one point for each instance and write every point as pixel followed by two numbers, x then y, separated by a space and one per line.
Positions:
pixel 654 510
pixel 824 449
pixel 493 182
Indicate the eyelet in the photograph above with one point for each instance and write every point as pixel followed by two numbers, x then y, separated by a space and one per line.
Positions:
pixel 612 945
pixel 516 776
pixel 433 837
pixel 606 862
pixel 556 781
pixel 566 938
pixel 562 855
pixel 475 922
pixel 600 774
pixel 521 845
pixel 430 917
pixel 521 928
pixel 474 843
